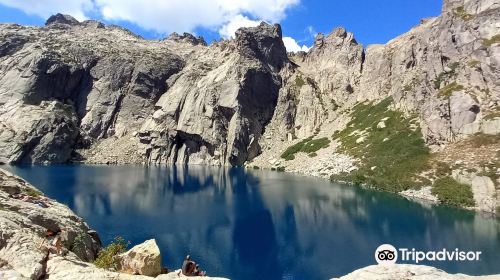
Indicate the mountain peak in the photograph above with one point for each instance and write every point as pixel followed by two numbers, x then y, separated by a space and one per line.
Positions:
pixel 62 19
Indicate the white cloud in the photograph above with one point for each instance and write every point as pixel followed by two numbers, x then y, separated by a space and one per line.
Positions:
pixel 162 16
pixel 166 16
pixel 46 8
pixel 228 30
pixel 292 46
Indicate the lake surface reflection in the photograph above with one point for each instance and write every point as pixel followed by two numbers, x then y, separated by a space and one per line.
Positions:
pixel 247 224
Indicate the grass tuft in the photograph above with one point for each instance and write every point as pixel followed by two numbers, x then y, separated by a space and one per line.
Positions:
pixel 493 40
pixel 449 89
pixel 299 81
pixel 449 191
pixel 461 13
pixel 33 192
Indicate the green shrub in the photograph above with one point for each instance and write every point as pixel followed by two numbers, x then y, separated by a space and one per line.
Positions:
pixel 280 169
pixel 312 155
pixel 449 191
pixel 105 258
pixel 315 145
pixel 493 40
pixel 299 81
pixel 289 153
pixel 307 145
pixel 255 167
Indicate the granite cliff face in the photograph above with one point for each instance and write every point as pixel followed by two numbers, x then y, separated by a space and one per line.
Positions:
pixel 72 85
pixel 82 91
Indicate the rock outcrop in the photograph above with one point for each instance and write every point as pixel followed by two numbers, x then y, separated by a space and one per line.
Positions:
pixel 174 100
pixel 407 272
pixel 143 259
pixel 26 218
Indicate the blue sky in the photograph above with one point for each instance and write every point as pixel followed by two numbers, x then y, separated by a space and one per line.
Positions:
pixel 371 21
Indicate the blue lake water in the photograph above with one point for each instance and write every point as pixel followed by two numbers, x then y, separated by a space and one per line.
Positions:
pixel 246 224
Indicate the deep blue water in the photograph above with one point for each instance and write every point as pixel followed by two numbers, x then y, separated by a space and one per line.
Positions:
pixel 262 224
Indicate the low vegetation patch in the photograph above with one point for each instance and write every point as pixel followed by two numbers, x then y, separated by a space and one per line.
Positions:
pixel 493 115
pixel 307 145
pixel 473 63
pixel 299 81
pixel 480 139
pixel 442 169
pixel 32 192
pixel 489 169
pixel 449 89
pixel 446 75
pixel 461 13
pixel 390 156
pixel 449 191
pixel 105 258
pixel 493 40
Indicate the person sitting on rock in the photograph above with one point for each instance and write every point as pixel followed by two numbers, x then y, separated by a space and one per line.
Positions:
pixel 188 266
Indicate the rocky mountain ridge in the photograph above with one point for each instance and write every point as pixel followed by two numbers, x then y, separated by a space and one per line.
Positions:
pixel 83 91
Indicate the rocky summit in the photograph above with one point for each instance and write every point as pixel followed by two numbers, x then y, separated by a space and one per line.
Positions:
pixel 415 116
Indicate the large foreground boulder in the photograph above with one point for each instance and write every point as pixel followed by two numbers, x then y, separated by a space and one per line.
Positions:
pixel 143 259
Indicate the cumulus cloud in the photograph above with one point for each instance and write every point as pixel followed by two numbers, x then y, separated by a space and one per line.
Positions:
pixel 292 46
pixel 166 16
pixel 163 16
pixel 229 29
pixel 46 8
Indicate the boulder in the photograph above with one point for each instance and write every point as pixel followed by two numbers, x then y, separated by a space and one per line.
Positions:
pixel 405 272
pixel 143 259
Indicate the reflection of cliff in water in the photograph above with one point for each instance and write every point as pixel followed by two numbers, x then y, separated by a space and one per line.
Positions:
pixel 260 223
